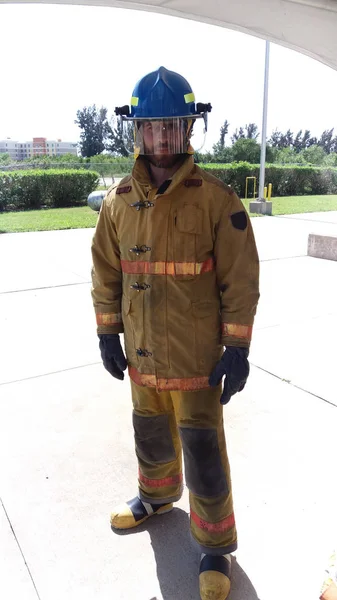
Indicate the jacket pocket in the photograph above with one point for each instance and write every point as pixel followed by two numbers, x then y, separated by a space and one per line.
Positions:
pixel 207 327
pixel 188 226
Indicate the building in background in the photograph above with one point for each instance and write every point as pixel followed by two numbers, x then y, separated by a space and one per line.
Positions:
pixel 9 147
pixel 37 147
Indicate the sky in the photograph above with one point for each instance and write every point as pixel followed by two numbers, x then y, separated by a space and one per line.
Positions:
pixel 58 59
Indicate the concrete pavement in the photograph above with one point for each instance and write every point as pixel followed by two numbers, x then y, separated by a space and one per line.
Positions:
pixel 66 445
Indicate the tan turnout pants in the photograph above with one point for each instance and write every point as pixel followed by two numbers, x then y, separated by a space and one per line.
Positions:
pixel 167 423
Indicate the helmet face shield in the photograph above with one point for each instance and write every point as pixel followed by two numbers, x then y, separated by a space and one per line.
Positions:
pixel 161 137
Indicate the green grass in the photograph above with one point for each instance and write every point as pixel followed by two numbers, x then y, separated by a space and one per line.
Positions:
pixel 290 205
pixel 48 219
pixel 80 217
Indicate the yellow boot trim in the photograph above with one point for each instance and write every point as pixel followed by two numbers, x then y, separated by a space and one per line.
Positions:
pixel 214 577
pixel 214 585
pixel 123 518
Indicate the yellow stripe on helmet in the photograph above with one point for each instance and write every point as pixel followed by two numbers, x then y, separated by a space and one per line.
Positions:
pixel 189 97
pixel 134 101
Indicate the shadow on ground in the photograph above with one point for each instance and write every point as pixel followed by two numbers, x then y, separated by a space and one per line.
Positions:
pixel 177 560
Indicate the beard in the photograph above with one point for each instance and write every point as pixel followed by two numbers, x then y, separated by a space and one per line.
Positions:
pixel 164 161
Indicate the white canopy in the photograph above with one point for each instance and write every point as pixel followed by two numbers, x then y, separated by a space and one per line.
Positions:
pixel 309 26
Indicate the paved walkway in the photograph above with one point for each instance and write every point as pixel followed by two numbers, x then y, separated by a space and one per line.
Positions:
pixel 66 446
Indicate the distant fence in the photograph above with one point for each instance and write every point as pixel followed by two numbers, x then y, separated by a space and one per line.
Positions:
pixel 105 169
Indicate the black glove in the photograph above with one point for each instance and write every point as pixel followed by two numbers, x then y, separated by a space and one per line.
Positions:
pixel 112 354
pixel 234 364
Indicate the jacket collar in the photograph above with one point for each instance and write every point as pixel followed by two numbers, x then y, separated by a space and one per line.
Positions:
pixel 141 173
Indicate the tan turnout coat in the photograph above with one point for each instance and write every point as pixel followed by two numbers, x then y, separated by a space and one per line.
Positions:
pixel 176 269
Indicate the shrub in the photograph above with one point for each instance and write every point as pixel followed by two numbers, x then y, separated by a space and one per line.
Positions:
pixel 68 188
pixel 50 187
pixel 286 180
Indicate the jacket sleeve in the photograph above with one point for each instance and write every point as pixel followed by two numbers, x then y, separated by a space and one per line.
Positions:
pixel 106 288
pixel 237 269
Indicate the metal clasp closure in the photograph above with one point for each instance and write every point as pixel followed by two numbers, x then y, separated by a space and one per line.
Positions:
pixel 143 353
pixel 142 204
pixel 140 286
pixel 138 249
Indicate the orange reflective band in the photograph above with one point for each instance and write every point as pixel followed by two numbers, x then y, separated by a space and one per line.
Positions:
pixel 240 331
pixel 165 482
pixel 166 268
pixel 108 318
pixel 186 384
pixel 219 527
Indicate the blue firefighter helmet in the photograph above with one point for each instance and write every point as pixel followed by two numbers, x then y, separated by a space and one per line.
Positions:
pixel 162 94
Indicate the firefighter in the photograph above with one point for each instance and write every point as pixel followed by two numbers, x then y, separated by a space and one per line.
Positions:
pixel 175 268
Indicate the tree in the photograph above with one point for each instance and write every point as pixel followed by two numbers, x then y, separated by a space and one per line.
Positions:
pixel 287 156
pixel 334 145
pixel 330 160
pixel 252 132
pixel 224 155
pixel 288 139
pixel 298 142
pixel 303 141
pixel 220 145
pixel 223 133
pixel 238 135
pixel 120 138
pixel 270 154
pixel 326 140
pixel 314 155
pixel 94 124
pixel 249 150
pixel 307 140
pixel 5 158
pixel 274 140
pixel 246 150
pixel 281 140
pixel 248 132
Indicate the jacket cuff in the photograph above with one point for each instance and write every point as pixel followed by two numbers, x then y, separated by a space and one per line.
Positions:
pixel 236 334
pixel 108 322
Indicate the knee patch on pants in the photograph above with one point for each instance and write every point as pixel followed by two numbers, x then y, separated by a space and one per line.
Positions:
pixel 153 438
pixel 204 472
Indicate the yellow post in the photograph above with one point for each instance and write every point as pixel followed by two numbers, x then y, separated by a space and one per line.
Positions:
pixel 270 187
pixel 246 191
pixel 265 192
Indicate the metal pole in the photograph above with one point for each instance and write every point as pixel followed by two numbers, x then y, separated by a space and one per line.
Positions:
pixel 264 124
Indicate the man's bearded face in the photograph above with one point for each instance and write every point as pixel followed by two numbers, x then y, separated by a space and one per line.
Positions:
pixel 164 141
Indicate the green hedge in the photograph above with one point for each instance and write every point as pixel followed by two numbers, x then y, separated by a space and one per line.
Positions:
pixel 23 190
pixel 60 188
pixel 286 180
